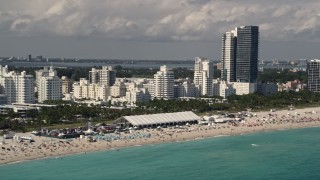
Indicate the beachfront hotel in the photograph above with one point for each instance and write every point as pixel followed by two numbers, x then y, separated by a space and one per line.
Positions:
pixel 240 50
pixel 66 85
pixel 229 49
pixel 16 88
pixel 84 90
pixel 313 68
pixel 49 86
pixel 105 76
pixel 163 83
pixel 203 76
pixel 43 72
pixel 239 62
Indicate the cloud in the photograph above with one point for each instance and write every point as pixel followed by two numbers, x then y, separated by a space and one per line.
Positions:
pixel 166 20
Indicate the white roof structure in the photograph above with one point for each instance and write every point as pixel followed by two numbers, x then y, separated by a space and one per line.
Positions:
pixel 163 118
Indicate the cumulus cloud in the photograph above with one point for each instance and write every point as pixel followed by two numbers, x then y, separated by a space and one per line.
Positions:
pixel 165 20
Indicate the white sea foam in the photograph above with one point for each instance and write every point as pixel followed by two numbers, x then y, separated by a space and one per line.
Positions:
pixel 221 135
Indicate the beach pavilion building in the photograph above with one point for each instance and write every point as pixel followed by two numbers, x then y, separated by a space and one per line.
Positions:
pixel 154 120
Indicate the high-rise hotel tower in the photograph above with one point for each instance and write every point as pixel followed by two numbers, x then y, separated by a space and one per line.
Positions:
pixel 203 76
pixel 240 50
pixel 313 69
pixel 163 83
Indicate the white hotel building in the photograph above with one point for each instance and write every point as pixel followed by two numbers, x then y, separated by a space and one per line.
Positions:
pixel 18 88
pixel 105 76
pixel 49 88
pixel 203 76
pixel 163 83
pixel 84 90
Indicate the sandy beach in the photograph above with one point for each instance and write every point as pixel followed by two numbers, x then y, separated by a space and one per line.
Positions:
pixel 43 147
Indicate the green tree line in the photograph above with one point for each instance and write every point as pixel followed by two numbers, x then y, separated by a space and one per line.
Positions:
pixel 98 113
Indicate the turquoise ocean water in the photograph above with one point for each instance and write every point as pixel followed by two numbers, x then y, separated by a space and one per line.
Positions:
pixel 287 154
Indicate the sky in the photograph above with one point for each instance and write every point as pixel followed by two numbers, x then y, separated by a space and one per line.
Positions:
pixel 155 29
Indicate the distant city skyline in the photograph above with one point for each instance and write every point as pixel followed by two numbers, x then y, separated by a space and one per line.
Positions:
pixel 154 30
